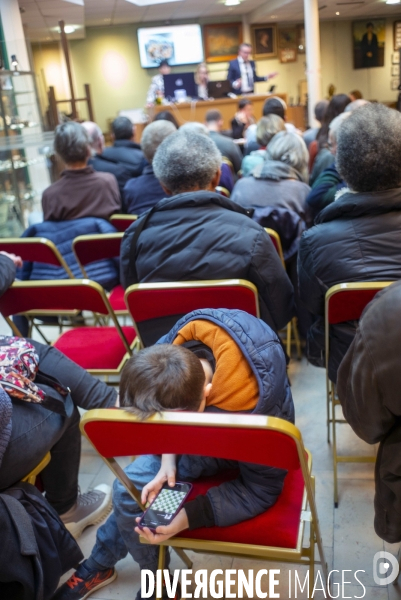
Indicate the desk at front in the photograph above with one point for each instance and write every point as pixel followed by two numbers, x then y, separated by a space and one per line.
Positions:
pixel 196 111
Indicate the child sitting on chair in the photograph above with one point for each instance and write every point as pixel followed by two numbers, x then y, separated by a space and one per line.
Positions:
pixel 215 360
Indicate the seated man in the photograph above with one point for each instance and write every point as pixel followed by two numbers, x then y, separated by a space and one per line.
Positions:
pixel 197 234
pixel 124 150
pixel 143 192
pixel 98 161
pixel 368 387
pixel 357 237
pixel 214 122
pixel 80 191
pixel 243 118
pixel 223 360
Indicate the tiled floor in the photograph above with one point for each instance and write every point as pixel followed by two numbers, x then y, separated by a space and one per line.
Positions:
pixel 348 535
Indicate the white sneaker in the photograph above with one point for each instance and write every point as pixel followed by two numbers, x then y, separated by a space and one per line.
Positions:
pixel 89 509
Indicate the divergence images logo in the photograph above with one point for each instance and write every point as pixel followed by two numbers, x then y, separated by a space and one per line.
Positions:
pixel 382 573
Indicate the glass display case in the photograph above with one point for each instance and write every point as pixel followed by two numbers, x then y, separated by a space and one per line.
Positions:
pixel 24 151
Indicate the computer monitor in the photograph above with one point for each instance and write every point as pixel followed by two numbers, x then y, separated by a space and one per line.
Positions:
pixel 179 86
pixel 218 89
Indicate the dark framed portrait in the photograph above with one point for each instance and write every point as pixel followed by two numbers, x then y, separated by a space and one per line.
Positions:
pixel 288 44
pixel 301 43
pixel 264 40
pixel 397 35
pixel 368 43
pixel 221 41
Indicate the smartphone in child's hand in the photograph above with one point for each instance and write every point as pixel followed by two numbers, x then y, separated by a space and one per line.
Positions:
pixel 165 506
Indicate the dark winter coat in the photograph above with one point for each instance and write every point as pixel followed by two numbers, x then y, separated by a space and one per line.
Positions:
pixel 356 238
pixel 368 384
pixel 128 154
pixel 62 234
pixel 201 236
pixel 257 487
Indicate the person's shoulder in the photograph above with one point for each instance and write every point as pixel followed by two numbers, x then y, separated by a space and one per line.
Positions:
pixel 102 178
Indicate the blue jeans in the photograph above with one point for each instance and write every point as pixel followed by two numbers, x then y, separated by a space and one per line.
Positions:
pixel 116 538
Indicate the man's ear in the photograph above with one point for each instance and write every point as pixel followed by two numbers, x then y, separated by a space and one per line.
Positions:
pixel 207 389
pixel 216 179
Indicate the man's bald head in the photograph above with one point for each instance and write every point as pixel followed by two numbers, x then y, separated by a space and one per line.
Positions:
pixel 96 137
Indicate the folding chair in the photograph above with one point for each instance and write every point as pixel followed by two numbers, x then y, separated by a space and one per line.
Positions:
pixel 275 535
pixel 100 350
pixel 292 325
pixel 219 189
pixel 344 302
pixel 122 222
pixel 156 307
pixel 228 162
pixel 91 248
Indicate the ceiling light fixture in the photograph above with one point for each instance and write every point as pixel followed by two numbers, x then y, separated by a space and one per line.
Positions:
pixel 232 2
pixel 338 14
pixel 144 3
pixel 68 28
pixel 393 1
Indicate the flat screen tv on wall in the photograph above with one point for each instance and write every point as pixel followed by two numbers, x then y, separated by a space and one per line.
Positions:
pixel 178 44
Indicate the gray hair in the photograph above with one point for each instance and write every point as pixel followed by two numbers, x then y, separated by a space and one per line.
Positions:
pixel 185 161
pixel 356 104
pixel 267 127
pixel 369 149
pixel 336 124
pixel 71 142
pixel 290 149
pixel 95 134
pixel 194 127
pixel 153 136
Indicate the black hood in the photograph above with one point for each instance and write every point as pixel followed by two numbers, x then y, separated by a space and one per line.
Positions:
pixel 360 204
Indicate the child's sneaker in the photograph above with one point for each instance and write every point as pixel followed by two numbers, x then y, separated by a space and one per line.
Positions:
pixel 83 583
pixel 89 509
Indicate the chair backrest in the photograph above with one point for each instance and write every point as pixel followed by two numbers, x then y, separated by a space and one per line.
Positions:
pixel 219 189
pixel 122 222
pixel 39 250
pixel 228 162
pixel 91 248
pixel 275 238
pixel 165 303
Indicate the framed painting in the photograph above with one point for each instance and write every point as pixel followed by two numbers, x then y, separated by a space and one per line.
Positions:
pixel 221 41
pixel 395 70
pixel 397 35
pixel 301 39
pixel 394 84
pixel 264 40
pixel 368 43
pixel 288 44
pixel 395 59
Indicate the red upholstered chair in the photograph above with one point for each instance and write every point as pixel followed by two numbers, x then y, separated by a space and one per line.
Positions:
pixel 122 222
pixel 156 307
pixel 91 248
pixel 292 335
pixel 219 189
pixel 275 535
pixel 101 350
pixel 344 302
pixel 35 250
pixel 313 152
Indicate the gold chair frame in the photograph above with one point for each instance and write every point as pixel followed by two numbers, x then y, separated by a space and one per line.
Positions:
pixel 292 326
pixel 31 477
pixel 123 217
pixel 304 555
pixel 182 285
pixel 331 393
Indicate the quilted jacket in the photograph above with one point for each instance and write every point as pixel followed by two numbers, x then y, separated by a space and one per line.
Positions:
pixel 62 233
pixel 257 487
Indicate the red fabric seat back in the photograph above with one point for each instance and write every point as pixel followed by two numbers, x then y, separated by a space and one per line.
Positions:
pixel 145 304
pixel 122 222
pixel 53 296
pixel 348 305
pixel 99 247
pixel 313 152
pixel 245 444
pixel 32 250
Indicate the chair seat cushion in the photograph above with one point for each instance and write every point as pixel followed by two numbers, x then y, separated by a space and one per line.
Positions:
pixel 95 347
pixel 116 299
pixel 277 527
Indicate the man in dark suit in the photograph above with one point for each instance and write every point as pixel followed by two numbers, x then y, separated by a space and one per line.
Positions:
pixel 242 72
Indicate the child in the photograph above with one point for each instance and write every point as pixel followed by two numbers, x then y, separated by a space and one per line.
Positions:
pixel 222 360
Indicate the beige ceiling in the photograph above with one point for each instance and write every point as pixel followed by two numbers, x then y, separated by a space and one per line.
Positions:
pixel 41 17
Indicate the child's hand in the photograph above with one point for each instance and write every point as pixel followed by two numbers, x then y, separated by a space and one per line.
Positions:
pixel 166 473
pixel 164 532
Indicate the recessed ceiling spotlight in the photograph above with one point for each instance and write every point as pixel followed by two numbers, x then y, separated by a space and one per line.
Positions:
pixel 393 1
pixel 232 2
pixel 273 16
pixel 68 28
pixel 337 13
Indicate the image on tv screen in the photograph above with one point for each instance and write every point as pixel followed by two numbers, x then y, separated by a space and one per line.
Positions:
pixel 179 45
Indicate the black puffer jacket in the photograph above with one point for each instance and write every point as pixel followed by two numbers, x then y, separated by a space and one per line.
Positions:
pixel 357 238
pixel 202 235
pixel 369 383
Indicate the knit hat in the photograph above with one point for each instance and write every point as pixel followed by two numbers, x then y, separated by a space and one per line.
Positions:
pixel 6 409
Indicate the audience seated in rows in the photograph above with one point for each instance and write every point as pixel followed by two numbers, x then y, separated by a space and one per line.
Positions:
pixel 214 122
pixel 141 193
pixel 243 118
pixel 80 191
pixel 98 161
pixel 266 128
pixel 311 133
pixel 277 106
pixel 329 182
pixel 230 361
pixel 165 115
pixel 357 237
pixel 368 385
pixel 124 150
pixel 324 158
pixel 209 236
pixel 28 431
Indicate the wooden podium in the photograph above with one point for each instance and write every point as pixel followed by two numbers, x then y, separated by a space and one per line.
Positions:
pixel 196 111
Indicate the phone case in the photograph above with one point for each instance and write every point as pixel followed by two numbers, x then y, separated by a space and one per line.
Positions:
pixel 166 486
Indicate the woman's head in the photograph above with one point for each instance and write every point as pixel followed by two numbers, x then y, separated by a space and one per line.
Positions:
pixel 336 106
pixel 289 148
pixel 267 128
pixel 202 74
